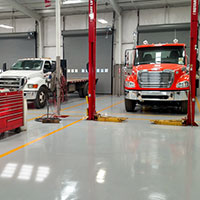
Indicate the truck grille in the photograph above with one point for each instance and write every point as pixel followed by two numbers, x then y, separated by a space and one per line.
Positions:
pixel 155 79
pixel 10 82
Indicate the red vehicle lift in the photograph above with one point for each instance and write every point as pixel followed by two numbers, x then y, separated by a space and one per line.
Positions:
pixel 11 111
pixel 190 119
pixel 92 60
pixel 193 60
pixel 92 115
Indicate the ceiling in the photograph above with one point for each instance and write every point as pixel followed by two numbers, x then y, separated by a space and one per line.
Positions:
pixel 8 11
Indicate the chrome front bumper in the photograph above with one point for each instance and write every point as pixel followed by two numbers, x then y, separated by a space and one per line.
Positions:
pixel 156 95
pixel 30 95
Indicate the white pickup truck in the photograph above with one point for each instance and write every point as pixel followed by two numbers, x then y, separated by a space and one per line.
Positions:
pixel 30 75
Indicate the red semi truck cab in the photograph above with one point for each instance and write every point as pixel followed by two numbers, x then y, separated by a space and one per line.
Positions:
pixel 159 75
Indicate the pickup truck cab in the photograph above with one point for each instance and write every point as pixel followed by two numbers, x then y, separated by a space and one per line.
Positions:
pixel 29 75
pixel 159 74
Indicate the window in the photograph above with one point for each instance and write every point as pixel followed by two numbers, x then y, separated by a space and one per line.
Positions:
pixel 157 55
pixel 27 65
pixel 47 67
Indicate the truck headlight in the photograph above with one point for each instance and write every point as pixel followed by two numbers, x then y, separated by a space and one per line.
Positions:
pixel 129 84
pixel 31 86
pixel 183 84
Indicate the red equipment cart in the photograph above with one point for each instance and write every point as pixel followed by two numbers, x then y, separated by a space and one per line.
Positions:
pixel 11 111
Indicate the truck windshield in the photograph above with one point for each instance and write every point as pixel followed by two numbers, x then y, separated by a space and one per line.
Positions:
pixel 27 65
pixel 157 55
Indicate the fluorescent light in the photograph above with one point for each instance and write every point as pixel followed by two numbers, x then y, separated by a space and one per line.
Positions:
pixel 102 21
pixel 6 26
pixel 72 1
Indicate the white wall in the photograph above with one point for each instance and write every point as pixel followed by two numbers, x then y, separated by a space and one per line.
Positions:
pixel 75 22
pixel 20 25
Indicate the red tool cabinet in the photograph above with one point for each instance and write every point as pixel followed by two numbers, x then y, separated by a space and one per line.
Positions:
pixel 11 110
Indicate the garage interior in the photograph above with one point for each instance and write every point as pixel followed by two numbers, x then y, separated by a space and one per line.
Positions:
pixel 80 159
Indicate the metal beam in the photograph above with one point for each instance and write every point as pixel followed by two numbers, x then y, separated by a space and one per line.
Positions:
pixel 58 53
pixel 116 7
pixel 24 10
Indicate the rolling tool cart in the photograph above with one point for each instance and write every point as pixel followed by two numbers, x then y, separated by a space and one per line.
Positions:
pixel 11 111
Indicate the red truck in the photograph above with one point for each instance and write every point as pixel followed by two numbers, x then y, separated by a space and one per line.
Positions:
pixel 159 75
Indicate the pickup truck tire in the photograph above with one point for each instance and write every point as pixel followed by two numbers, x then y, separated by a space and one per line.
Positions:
pixel 17 130
pixel 41 98
pixel 184 106
pixel 85 90
pixel 2 135
pixel 80 92
pixel 130 105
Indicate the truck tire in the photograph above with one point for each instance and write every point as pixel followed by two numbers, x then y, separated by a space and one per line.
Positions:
pixel 2 135
pixel 85 90
pixel 41 98
pixel 130 105
pixel 80 92
pixel 17 130
pixel 183 107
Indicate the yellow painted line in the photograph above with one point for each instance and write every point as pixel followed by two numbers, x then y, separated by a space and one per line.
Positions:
pixel 34 118
pixel 146 115
pixel 138 119
pixel 198 104
pixel 38 139
pixel 110 106
pixel 80 104
pixel 34 113
pixel 76 112
pixel 51 133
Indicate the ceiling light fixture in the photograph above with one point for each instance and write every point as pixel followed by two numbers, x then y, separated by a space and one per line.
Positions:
pixel 102 21
pixel 72 1
pixel 6 26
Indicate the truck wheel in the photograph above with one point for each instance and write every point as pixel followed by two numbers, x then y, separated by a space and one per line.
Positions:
pixel 130 105
pixel 2 135
pixel 17 130
pixel 85 90
pixel 41 98
pixel 184 105
pixel 80 92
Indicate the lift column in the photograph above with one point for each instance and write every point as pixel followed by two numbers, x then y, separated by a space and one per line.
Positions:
pixel 92 59
pixel 193 61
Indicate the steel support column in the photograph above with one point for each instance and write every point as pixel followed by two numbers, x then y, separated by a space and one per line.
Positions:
pixel 92 60
pixel 193 61
pixel 58 53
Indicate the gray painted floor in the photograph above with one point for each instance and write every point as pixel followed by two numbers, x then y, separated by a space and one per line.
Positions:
pixel 86 160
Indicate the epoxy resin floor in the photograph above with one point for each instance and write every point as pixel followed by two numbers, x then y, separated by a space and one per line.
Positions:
pixel 87 160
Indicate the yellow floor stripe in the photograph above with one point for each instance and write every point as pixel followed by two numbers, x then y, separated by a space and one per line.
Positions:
pixel 142 114
pixel 40 138
pixel 110 106
pixel 80 104
pixel 138 119
pixel 51 133
pixel 34 118
pixel 198 104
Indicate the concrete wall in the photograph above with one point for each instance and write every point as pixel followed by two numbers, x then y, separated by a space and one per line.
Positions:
pixel 75 22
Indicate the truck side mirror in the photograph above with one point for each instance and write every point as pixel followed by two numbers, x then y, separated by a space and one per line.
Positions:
pixel 4 67
pixel 129 57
